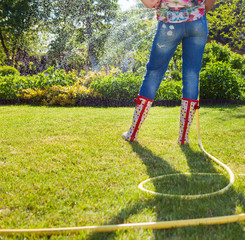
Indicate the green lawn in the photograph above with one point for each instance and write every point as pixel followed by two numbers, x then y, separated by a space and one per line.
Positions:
pixel 67 167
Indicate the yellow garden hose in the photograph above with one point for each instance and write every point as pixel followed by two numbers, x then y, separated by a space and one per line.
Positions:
pixel 189 197
pixel 149 225
pixel 111 228
pixel 232 178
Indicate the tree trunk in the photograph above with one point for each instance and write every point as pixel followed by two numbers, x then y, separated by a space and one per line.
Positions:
pixel 6 51
pixel 13 55
pixel 91 48
pixel 93 58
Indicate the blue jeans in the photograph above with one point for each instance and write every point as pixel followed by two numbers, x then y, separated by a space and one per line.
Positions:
pixel 168 35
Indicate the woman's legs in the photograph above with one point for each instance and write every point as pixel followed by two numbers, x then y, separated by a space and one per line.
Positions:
pixel 193 36
pixel 164 45
pixel 193 45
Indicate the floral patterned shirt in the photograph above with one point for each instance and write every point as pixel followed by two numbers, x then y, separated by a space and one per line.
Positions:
pixel 176 11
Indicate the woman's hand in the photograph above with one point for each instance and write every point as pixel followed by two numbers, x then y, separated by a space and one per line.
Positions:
pixel 208 5
pixel 151 3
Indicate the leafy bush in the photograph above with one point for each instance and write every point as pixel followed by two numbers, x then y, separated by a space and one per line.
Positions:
pixel 57 95
pixel 52 77
pixel 169 91
pixel 219 81
pixel 8 70
pixel 35 95
pixel 238 62
pixel 228 82
pixel 175 75
pixel 222 77
pixel 124 86
pixel 12 85
pixel 216 52
pixel 91 76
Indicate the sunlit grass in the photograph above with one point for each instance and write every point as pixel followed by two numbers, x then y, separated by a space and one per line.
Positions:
pixel 64 167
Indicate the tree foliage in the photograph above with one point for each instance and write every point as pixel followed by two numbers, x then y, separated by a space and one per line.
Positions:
pixel 19 19
pixel 227 24
pixel 84 23
pixel 88 34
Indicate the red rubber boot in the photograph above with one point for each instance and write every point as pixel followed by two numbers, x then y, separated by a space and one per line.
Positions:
pixel 142 108
pixel 188 110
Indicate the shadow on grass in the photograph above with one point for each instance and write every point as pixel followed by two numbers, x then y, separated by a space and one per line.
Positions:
pixel 167 209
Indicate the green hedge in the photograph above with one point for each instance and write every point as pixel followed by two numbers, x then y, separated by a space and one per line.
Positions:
pixel 57 95
pixel 215 52
pixel 219 81
pixel 222 77
pixel 7 70
pixel 11 85
pixel 126 86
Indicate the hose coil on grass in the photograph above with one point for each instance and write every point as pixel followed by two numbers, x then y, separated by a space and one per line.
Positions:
pixel 190 197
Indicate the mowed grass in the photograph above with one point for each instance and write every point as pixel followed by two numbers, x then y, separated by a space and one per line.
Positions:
pixel 68 167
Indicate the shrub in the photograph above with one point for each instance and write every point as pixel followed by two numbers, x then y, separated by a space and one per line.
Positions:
pixel 241 83
pixel 216 52
pixel 64 96
pixel 125 86
pixel 233 79
pixel 91 76
pixel 8 70
pixel 238 62
pixel 219 81
pixel 57 95
pixel 169 91
pixel 220 52
pixel 52 77
pixel 12 85
pixel 35 95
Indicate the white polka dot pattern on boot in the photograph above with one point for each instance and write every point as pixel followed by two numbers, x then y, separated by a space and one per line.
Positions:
pixel 137 112
pixel 186 119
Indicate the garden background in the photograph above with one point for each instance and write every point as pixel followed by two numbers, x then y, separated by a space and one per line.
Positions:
pixel 75 53
pixel 64 166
